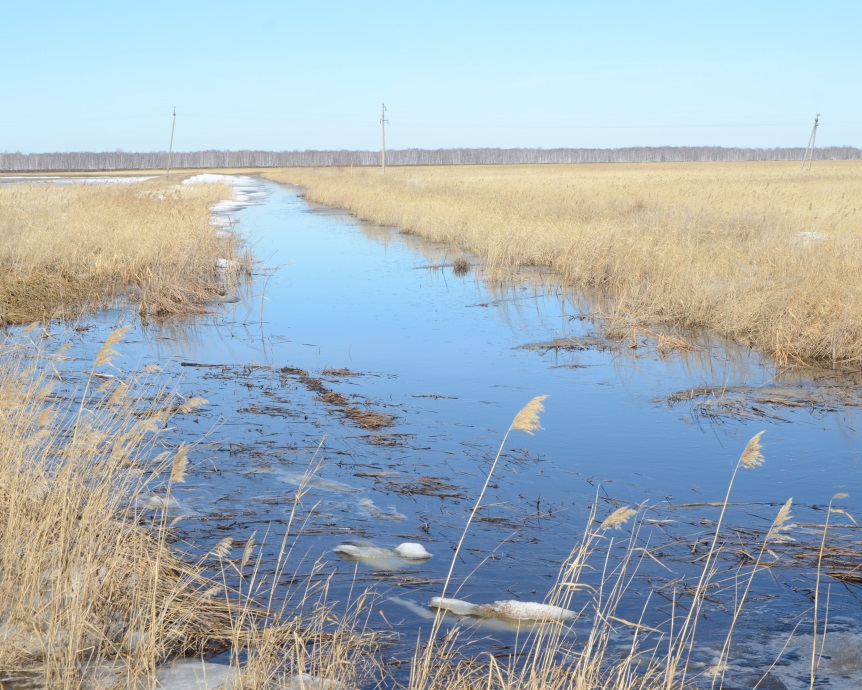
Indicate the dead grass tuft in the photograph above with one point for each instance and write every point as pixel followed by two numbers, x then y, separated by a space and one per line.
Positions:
pixel 67 249
pixel 460 267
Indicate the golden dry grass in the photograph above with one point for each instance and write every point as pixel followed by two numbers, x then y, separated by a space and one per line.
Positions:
pixel 90 578
pixel 757 252
pixel 65 249
pixel 79 577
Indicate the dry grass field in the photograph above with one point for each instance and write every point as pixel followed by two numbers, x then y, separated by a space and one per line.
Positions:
pixel 757 252
pixel 66 249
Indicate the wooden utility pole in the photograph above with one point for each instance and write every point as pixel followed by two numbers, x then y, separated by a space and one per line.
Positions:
pixel 171 147
pixel 809 150
pixel 383 122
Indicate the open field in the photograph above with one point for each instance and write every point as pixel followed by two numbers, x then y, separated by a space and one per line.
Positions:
pixel 65 249
pixel 756 252
pixel 94 461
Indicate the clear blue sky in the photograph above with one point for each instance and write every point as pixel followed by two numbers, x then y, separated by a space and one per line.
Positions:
pixel 295 75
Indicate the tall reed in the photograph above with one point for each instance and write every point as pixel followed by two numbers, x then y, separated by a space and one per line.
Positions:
pixel 595 582
pixel 90 577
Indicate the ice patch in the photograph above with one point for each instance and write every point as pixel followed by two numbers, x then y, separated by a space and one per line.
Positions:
pixel 305 681
pixel 370 509
pixel 226 264
pixel 300 479
pixel 366 551
pixel 157 502
pixel 194 674
pixel 247 191
pixel 511 609
pixel 839 664
pixel 412 551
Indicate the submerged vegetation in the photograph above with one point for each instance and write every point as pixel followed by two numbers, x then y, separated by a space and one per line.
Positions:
pixel 756 252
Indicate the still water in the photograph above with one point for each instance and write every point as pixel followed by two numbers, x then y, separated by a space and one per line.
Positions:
pixel 379 317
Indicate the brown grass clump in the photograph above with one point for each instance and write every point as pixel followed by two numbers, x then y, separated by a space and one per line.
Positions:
pixel 460 267
pixel 753 251
pixel 70 248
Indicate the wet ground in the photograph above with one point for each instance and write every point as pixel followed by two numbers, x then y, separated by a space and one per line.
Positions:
pixel 358 348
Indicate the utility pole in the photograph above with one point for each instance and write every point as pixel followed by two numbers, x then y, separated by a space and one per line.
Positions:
pixel 171 147
pixel 383 122
pixel 809 150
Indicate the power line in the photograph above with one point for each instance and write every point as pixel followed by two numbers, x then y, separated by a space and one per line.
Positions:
pixel 809 150
pixel 383 122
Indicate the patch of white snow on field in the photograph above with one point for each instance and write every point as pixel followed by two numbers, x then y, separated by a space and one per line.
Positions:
pixel 194 674
pixel 247 191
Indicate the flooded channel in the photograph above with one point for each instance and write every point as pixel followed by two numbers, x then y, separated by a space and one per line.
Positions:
pixel 358 348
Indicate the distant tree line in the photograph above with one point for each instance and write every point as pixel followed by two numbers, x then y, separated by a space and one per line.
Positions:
pixel 121 160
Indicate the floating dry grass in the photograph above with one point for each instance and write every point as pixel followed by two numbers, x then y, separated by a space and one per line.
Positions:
pixel 66 249
pixel 753 251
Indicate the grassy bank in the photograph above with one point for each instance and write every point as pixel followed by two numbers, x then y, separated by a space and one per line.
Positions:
pixel 68 249
pixel 94 589
pixel 757 252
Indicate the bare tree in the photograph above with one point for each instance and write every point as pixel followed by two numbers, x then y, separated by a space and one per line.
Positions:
pixel 120 160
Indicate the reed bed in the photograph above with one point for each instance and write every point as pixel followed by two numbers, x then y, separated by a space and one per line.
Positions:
pixel 71 248
pixel 757 252
pixel 94 591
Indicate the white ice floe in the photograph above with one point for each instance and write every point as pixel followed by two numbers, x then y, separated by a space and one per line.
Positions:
pixel 366 551
pixel 157 502
pixel 226 264
pixel 511 609
pixel 195 674
pixel 371 509
pixel 247 191
pixel 300 479
pixel 411 551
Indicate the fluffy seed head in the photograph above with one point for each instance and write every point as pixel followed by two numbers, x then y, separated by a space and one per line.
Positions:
pixel 528 418
pixel 778 532
pixel 618 518
pixel 180 464
pixel 106 353
pixel 752 457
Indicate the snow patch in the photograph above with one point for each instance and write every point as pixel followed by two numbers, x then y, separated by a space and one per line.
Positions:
pixel 508 610
pixel 366 551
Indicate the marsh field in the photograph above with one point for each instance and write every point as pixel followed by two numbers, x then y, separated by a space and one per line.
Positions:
pixel 617 400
